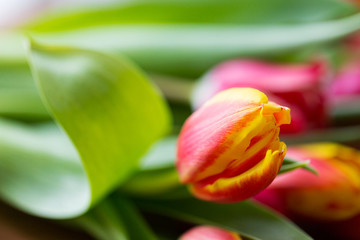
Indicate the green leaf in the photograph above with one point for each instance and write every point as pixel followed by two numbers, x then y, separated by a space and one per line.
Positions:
pixel 19 97
pixel 196 11
pixel 109 111
pixel 40 172
pixel 246 218
pixel 190 50
pixel 291 164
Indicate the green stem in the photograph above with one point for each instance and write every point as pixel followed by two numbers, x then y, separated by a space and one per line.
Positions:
pixel 174 88
pixel 103 222
pixel 134 223
pixel 115 218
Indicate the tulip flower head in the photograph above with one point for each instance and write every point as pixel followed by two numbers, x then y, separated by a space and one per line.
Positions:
pixel 332 195
pixel 298 86
pixel 229 149
pixel 209 233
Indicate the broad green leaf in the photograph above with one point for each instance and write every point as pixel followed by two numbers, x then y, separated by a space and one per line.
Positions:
pixel 190 49
pixel 109 111
pixel 246 218
pixel 40 172
pixel 196 11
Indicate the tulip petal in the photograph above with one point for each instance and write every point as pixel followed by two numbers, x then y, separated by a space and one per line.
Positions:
pixel 214 128
pixel 243 186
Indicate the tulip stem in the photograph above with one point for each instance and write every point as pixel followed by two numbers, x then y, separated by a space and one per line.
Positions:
pixel 116 218
pixel 103 222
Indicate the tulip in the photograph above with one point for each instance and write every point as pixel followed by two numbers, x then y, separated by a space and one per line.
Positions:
pixel 297 86
pixel 333 195
pixel 229 150
pixel 209 233
pixel 345 86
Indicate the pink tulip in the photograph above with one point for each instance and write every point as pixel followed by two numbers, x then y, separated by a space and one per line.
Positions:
pixel 298 86
pixel 333 195
pixel 209 233
pixel 346 85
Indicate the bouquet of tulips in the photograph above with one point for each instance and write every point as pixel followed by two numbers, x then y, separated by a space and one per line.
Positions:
pixel 181 119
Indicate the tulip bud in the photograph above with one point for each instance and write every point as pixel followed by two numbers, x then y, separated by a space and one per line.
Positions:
pixel 209 233
pixel 297 86
pixel 229 149
pixel 332 195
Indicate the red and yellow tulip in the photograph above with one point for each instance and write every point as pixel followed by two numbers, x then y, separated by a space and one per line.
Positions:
pixel 333 195
pixel 209 233
pixel 229 149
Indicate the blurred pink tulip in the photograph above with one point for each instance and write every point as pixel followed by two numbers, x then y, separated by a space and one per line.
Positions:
pixel 346 85
pixel 298 86
pixel 333 195
pixel 209 233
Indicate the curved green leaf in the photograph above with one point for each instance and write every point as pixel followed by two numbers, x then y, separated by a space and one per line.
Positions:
pixel 196 11
pixel 246 218
pixel 109 111
pixel 40 171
